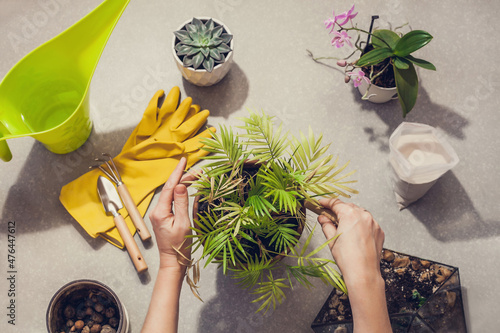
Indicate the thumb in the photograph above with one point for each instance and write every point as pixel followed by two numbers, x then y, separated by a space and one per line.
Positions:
pixel 181 205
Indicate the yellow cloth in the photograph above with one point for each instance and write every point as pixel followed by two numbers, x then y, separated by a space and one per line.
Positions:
pixel 147 159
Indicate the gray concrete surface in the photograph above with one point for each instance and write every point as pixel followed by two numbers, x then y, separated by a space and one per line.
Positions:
pixel 455 223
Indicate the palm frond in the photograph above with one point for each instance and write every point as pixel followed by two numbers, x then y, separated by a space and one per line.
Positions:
pixel 271 292
pixel 262 141
pixel 283 236
pixel 225 148
pixel 250 274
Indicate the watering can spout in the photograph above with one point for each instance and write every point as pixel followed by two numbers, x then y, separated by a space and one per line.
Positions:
pixel 5 153
pixel 45 95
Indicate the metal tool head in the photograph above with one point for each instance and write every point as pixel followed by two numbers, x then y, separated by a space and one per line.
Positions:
pixel 112 171
pixel 109 196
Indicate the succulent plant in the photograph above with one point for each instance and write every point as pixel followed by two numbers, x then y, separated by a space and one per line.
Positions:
pixel 201 43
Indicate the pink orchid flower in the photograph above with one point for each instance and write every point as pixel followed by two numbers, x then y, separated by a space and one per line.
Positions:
pixel 345 17
pixel 330 23
pixel 340 19
pixel 358 78
pixel 341 38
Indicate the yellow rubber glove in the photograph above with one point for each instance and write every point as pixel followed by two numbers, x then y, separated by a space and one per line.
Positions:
pixel 150 154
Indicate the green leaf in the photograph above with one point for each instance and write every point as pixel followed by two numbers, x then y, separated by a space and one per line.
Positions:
pixel 421 62
pixel 198 60
pixel 210 24
pixel 193 51
pixel 208 64
pixel 197 23
pixel 215 42
pixel 407 87
pixel 411 42
pixel 182 49
pixel 374 57
pixel 187 61
pixel 401 63
pixel 191 28
pixel 223 48
pixel 217 31
pixel 205 51
pixel 221 60
pixel 226 38
pixel 383 35
pixel 183 36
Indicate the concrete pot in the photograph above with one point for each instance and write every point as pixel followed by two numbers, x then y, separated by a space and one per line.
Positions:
pixel 201 77
pixel 378 94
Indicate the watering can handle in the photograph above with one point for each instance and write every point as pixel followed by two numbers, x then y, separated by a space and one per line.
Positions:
pixel 5 153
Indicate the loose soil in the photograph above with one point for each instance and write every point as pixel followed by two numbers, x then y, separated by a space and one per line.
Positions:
pixel 409 282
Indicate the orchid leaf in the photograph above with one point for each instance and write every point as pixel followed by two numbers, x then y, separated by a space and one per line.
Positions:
pixel 411 42
pixel 401 63
pixel 421 62
pixel 374 57
pixel 407 87
pixel 385 38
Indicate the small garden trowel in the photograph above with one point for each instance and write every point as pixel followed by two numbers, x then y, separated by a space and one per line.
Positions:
pixel 112 203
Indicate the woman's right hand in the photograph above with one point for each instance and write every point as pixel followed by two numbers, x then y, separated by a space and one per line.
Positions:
pixel 357 251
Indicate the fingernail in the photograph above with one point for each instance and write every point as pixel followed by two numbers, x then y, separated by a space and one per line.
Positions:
pixel 180 189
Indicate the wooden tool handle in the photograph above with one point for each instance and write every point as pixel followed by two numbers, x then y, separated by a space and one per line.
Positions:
pixel 132 210
pixel 130 244
pixel 322 211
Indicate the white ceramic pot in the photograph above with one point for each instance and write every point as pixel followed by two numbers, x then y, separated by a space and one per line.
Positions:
pixel 201 77
pixel 77 289
pixel 378 94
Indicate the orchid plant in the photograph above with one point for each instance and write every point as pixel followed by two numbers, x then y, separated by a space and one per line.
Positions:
pixel 389 53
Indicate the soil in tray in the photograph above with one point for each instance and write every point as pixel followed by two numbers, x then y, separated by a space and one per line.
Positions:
pixel 409 282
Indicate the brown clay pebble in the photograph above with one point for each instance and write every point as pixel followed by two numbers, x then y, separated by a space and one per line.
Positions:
pixel 400 271
pixel 69 312
pixel 401 262
pixel 96 328
pixel 89 311
pixel 425 263
pixel 388 255
pixel 86 329
pixel 426 276
pixel 108 329
pixel 334 302
pixel 440 278
pixel 415 264
pixel 110 312
pixel 97 317
pixel 99 307
pixel 442 274
pixel 113 321
pixel 79 324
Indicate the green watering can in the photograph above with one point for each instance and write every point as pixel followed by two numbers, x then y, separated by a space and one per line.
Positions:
pixel 45 95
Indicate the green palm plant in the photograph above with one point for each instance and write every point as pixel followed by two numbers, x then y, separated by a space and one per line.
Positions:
pixel 250 206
